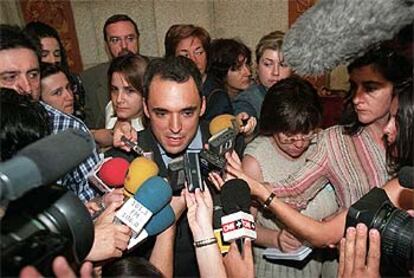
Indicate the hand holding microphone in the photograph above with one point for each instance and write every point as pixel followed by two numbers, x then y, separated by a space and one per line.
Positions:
pixel 241 123
pixel 249 123
pixel 124 128
pixel 200 214
pixel 237 223
pixel 110 239
pixel 149 199
pixel 240 264
pixel 156 225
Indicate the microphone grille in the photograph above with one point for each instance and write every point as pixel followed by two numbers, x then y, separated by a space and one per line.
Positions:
pixel 235 196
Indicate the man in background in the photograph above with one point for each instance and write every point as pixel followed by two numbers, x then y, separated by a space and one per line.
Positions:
pixel 19 70
pixel 121 36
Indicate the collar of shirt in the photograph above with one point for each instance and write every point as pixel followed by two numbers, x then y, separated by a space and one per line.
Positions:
pixel 195 146
pixel 262 89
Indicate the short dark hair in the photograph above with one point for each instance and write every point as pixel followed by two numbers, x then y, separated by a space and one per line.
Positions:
pixel 39 30
pixel 133 66
pixel 290 106
pixel 130 266
pixel 47 69
pixel 13 37
pixel 179 69
pixel 23 121
pixel 224 54
pixel 178 32
pixel 394 67
pixel 117 18
pixel 401 152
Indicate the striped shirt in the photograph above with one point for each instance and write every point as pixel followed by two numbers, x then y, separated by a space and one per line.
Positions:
pixel 77 180
pixel 352 164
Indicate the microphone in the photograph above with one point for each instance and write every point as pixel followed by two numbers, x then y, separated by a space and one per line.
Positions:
pixel 224 129
pixel 113 172
pixel 223 122
pixel 157 224
pixel 140 170
pixel 406 177
pixel 237 223
pixel 43 162
pixel 337 32
pixel 150 198
pixel 218 232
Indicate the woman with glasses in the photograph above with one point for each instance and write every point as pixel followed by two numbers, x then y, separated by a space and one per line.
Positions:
pixel 290 117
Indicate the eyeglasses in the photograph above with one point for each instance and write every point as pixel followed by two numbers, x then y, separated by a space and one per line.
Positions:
pixel 286 139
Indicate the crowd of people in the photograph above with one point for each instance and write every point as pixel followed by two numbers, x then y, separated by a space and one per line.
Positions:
pixel 302 179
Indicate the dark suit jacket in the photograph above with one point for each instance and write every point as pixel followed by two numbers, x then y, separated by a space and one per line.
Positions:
pixel 185 262
pixel 95 82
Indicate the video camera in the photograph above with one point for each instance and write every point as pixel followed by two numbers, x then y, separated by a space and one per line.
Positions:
pixel 396 227
pixel 46 222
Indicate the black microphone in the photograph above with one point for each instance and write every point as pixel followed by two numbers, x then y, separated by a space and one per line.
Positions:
pixel 334 32
pixel 406 177
pixel 237 222
pixel 43 162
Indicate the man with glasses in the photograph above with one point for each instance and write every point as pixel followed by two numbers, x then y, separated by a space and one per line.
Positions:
pixel 121 36
pixel 19 70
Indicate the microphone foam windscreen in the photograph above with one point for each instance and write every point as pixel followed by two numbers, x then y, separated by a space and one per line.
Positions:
pixel 235 196
pixel 406 177
pixel 223 121
pixel 334 32
pixel 140 169
pixel 113 171
pixel 154 194
pixel 160 221
pixel 58 154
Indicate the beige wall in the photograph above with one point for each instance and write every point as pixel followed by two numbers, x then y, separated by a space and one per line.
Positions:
pixel 10 12
pixel 246 19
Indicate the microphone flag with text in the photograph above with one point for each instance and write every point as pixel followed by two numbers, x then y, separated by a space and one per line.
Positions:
pixel 154 194
pixel 237 222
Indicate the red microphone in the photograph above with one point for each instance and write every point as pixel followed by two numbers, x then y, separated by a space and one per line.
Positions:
pixel 113 172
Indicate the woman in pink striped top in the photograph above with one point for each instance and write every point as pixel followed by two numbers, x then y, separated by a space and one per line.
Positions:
pixel 350 156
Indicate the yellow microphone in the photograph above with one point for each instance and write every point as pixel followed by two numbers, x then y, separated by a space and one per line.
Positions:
pixel 224 121
pixel 140 169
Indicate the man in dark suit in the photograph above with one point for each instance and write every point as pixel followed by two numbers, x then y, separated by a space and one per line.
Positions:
pixel 121 35
pixel 173 106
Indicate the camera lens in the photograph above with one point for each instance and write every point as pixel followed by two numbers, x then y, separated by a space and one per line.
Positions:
pixel 397 238
pixel 395 226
